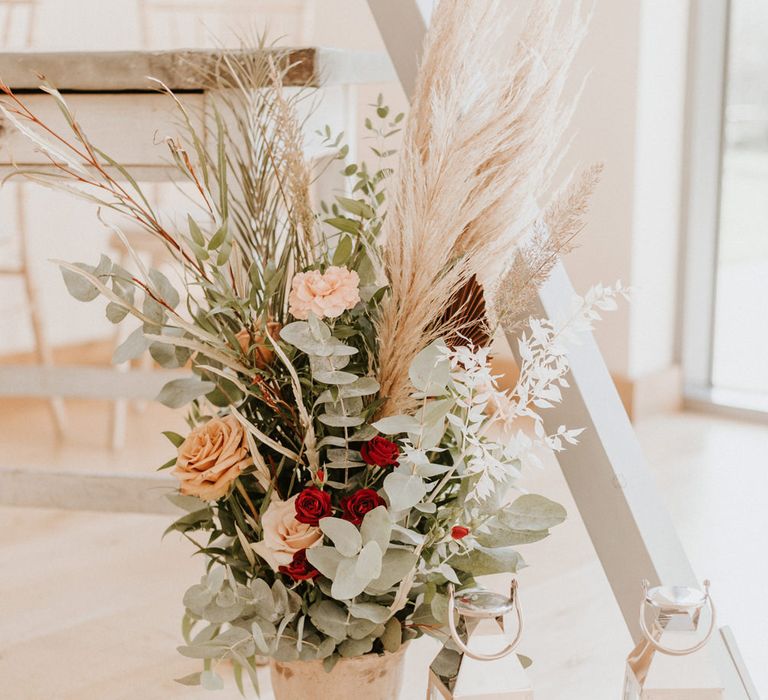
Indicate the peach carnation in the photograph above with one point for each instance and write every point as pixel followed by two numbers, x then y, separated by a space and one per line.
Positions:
pixel 327 295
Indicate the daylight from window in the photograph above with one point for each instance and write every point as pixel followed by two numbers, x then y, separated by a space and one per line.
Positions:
pixel 741 316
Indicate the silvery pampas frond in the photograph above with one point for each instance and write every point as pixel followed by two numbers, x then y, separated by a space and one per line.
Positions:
pixel 482 141
pixel 551 237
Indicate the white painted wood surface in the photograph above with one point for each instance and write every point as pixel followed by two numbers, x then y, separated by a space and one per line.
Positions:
pixel 111 493
pixel 82 382
pixel 622 509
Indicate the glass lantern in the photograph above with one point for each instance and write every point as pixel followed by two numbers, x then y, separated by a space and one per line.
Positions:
pixel 655 668
pixel 484 666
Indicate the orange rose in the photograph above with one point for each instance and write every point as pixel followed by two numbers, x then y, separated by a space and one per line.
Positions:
pixel 260 347
pixel 211 458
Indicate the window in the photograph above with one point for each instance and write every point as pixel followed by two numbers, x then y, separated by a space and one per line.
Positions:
pixel 740 338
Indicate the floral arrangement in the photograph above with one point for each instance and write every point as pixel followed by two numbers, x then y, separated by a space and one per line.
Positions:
pixel 351 451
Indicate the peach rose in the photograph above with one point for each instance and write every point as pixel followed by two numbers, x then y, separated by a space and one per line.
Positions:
pixel 257 343
pixel 327 295
pixel 211 458
pixel 283 534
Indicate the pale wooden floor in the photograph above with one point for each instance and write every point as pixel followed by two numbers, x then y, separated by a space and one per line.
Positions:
pixel 90 602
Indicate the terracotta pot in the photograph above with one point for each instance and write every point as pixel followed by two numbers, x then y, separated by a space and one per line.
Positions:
pixel 371 676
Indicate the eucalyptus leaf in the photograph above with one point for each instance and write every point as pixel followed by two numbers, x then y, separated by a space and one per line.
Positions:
pixel 395 566
pixel 404 490
pixel 403 534
pixel 115 312
pixel 368 565
pixel 429 371
pixel 427 469
pixel 499 535
pixel 214 612
pixel 347 583
pixel 191 679
pixel 364 386
pixel 377 527
pixel 164 289
pixel 371 611
pixel 197 598
pixel 179 392
pixel 330 618
pixel 340 421
pixel 393 635
pixel 79 287
pixel 355 647
pixel 482 561
pixel 531 512
pixel 318 329
pixel 164 354
pixel 344 535
pixel 360 629
pixel 334 377
pixel 325 560
pixel 202 651
pixel 392 425
pixel 131 348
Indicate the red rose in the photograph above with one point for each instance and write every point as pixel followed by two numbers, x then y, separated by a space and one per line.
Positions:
pixel 380 452
pixel 299 569
pixel 359 503
pixel 311 505
pixel 459 532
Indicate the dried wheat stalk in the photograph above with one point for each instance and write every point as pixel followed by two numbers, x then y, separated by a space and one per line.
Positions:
pixel 481 144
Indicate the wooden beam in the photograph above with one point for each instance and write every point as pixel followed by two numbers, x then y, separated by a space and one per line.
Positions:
pixel 83 382
pixel 403 26
pixel 114 493
pixel 181 70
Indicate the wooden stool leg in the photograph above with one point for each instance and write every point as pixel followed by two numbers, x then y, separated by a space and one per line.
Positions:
pixel 42 348
pixel 119 415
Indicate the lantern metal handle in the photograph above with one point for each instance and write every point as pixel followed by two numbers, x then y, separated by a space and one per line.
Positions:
pixel 679 652
pixel 474 654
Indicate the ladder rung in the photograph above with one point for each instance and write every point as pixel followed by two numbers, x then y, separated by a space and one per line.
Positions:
pixel 116 493
pixel 82 382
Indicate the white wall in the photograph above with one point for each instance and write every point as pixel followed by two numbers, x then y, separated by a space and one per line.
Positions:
pixel 631 118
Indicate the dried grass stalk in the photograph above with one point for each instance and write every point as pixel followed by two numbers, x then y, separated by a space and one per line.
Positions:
pixel 551 237
pixel 482 141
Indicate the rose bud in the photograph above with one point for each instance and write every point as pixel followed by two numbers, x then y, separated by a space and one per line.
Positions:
pixel 380 452
pixel 359 503
pixel 320 475
pixel 299 569
pixel 459 532
pixel 260 348
pixel 312 504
